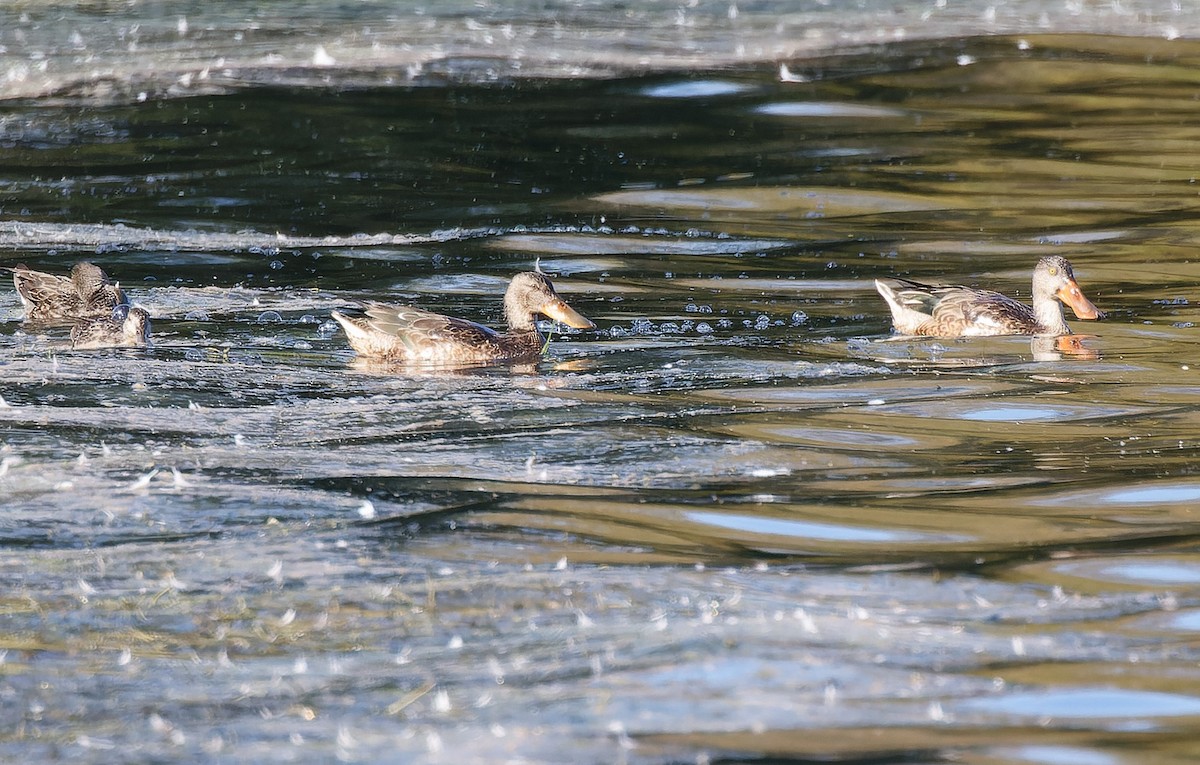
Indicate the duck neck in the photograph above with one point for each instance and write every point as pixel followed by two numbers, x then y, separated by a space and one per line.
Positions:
pixel 1049 314
pixel 519 321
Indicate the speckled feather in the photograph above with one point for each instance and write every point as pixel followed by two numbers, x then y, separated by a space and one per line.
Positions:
pixel 86 294
pixel 960 311
pixel 404 333
pixel 125 326
pixel 407 334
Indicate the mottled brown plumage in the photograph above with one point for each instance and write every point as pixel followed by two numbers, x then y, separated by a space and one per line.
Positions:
pixel 87 293
pixel 412 335
pixel 921 309
pixel 126 325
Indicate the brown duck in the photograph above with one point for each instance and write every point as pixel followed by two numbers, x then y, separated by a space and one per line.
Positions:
pixel 920 309
pixel 126 326
pixel 411 335
pixel 87 293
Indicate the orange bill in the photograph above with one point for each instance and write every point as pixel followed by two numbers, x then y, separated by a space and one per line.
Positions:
pixel 1070 294
pixel 560 311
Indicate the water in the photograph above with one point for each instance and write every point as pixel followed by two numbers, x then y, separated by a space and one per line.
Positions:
pixel 737 521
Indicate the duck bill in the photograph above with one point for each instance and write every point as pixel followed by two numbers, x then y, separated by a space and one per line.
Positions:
pixel 1070 294
pixel 560 311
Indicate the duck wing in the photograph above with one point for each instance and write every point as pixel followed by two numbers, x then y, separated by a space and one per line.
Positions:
pixel 86 293
pixel 36 288
pixel 984 312
pixel 954 311
pixel 404 333
pixel 95 289
pixel 420 327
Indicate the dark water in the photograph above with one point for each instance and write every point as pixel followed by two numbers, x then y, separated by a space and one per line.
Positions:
pixel 737 522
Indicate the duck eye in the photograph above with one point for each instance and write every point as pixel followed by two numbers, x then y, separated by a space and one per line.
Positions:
pixel 1053 271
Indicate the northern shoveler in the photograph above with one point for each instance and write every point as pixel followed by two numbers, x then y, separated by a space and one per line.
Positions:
pixel 406 334
pixel 126 326
pixel 920 309
pixel 87 293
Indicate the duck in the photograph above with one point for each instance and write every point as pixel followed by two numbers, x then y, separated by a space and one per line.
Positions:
pixel 406 334
pixel 128 325
pixel 87 293
pixel 951 312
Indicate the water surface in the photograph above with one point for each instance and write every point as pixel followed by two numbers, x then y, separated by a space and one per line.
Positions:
pixel 738 521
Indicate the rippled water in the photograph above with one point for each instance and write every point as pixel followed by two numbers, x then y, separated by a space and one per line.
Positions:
pixel 737 521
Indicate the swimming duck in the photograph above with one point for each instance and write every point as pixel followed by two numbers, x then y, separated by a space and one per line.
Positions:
pixel 87 293
pixel 126 326
pixel 406 334
pixel 919 309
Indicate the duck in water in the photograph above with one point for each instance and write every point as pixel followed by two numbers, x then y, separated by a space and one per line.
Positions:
pixel 920 309
pixel 411 335
pixel 127 325
pixel 87 293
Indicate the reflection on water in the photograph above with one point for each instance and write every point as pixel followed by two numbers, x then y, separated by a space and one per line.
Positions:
pixel 738 516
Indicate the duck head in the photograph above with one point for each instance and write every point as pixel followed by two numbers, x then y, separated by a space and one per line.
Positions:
pixel 531 293
pixel 1054 278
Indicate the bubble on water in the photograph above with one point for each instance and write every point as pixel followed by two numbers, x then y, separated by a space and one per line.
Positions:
pixel 328 328
pixel 798 318
pixel 704 328
pixel 642 327
pixel 308 318
pixel 276 265
pixel 762 322
pixel 194 354
pixel 724 323
pixel 668 328
pixel 269 317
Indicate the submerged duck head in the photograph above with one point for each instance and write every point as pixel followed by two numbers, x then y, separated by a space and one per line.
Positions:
pixel 1054 278
pixel 128 325
pixel 531 293
pixel 135 323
